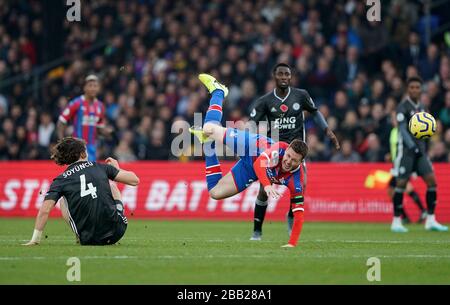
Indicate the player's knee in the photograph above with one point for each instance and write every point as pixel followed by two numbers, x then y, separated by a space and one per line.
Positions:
pixel 401 183
pixel 430 181
pixel 216 194
pixel 432 185
pixel 262 195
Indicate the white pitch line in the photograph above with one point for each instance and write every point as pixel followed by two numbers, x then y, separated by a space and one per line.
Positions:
pixel 380 241
pixel 171 257
pixel 271 240
pixel 11 258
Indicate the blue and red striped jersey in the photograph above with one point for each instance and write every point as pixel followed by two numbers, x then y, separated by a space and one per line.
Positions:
pixel 85 118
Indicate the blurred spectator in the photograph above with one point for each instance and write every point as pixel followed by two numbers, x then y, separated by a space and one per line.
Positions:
pixel 374 152
pixel 45 130
pixel 429 65
pixel 346 154
pixel 316 150
pixel 444 115
pixel 438 152
pixel 350 126
pixel 349 68
pixel 123 151
pixel 413 52
pixel 341 105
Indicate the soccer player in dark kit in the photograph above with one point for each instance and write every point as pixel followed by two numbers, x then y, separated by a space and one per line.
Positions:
pixel 91 206
pixel 283 108
pixel 412 157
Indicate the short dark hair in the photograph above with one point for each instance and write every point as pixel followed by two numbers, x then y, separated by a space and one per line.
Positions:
pixel 281 64
pixel 413 79
pixel 68 150
pixel 299 147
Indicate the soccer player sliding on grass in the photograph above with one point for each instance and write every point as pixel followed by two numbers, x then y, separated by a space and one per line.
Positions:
pixel 91 206
pixel 260 159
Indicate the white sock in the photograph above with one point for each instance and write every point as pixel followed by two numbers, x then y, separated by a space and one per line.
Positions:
pixel 431 218
pixel 397 221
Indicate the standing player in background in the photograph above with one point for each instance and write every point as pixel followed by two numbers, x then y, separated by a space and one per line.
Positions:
pixel 411 157
pixel 91 206
pixel 260 159
pixel 87 115
pixel 283 108
pixel 393 141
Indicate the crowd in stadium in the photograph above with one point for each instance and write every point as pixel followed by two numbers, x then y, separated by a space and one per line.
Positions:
pixel 152 51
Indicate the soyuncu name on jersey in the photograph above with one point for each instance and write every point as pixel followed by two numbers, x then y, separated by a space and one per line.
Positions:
pixel 285 123
pixel 77 168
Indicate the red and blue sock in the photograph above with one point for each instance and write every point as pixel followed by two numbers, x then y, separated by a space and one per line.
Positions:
pixel 213 115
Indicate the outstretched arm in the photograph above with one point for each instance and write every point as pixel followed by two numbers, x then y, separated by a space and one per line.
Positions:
pixel 61 129
pixel 122 176
pixel 66 115
pixel 320 120
pixel 260 166
pixel 310 106
pixel 102 129
pixel 41 221
pixel 406 135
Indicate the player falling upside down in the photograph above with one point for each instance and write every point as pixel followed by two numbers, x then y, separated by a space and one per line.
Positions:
pixel 260 159
pixel 284 108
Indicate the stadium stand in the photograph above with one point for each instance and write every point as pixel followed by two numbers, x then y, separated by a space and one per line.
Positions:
pixel 147 54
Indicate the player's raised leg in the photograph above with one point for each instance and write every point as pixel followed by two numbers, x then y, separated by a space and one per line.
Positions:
pixel 224 188
pixel 218 187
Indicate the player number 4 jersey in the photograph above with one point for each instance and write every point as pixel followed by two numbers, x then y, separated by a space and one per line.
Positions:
pixel 85 187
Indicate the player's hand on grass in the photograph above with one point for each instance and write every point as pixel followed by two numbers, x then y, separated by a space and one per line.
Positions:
pixel 112 162
pixel 288 246
pixel 272 192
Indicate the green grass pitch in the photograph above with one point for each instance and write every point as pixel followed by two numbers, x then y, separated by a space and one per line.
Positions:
pixel 213 252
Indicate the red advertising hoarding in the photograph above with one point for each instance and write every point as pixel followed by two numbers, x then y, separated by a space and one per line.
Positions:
pixel 335 192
